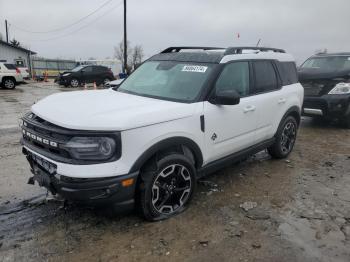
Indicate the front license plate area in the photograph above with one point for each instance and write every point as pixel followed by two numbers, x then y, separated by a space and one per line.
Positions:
pixel 38 162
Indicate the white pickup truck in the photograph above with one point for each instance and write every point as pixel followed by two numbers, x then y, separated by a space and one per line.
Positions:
pixel 10 76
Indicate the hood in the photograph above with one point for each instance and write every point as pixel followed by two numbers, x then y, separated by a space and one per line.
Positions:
pixel 306 74
pixel 107 110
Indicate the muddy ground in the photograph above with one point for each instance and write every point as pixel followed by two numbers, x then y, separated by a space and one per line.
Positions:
pixel 302 208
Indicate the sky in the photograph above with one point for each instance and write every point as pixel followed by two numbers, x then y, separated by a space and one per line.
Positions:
pixel 299 26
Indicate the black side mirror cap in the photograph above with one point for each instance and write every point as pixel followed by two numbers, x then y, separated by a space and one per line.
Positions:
pixel 227 97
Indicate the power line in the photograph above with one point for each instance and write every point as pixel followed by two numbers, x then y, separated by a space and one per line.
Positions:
pixel 82 27
pixel 63 27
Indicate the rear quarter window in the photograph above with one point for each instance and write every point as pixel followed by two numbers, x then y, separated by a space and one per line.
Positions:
pixel 288 72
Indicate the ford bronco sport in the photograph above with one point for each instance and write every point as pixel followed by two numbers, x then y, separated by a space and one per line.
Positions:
pixel 183 113
pixel 326 80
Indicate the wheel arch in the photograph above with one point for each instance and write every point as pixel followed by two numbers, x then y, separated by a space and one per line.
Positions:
pixel 292 111
pixel 8 77
pixel 169 143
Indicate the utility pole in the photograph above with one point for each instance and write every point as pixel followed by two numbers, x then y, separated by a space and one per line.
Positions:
pixel 7 32
pixel 125 42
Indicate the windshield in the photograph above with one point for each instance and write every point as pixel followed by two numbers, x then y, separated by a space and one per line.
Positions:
pixel 327 63
pixel 169 80
pixel 78 68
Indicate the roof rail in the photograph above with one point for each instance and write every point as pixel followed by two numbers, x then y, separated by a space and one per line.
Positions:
pixel 238 50
pixel 178 48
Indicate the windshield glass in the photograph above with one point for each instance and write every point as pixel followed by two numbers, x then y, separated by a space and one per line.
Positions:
pixel 330 62
pixel 78 68
pixel 169 80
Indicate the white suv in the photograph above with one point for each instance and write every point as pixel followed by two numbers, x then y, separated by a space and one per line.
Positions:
pixel 183 113
pixel 10 75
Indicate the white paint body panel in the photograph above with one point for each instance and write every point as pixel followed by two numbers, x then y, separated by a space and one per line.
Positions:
pixel 145 121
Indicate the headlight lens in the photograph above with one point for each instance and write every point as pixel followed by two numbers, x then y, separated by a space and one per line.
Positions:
pixel 340 89
pixel 66 74
pixel 91 148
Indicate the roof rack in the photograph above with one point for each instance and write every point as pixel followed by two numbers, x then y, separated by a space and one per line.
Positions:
pixel 178 48
pixel 238 50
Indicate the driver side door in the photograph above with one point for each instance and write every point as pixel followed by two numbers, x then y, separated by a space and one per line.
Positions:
pixel 231 128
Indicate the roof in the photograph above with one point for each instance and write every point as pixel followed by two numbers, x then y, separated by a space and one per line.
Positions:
pixel 333 54
pixel 219 55
pixel 17 47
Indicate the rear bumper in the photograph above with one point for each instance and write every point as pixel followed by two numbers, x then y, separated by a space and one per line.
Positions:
pixel 327 106
pixel 87 191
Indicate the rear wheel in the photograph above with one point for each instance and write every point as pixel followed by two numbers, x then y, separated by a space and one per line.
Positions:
pixel 285 138
pixel 8 83
pixel 106 80
pixel 168 189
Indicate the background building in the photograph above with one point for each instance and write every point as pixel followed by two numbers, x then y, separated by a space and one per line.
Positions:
pixel 17 55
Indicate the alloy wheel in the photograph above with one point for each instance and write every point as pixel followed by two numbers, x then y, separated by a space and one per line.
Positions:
pixel 74 83
pixel 171 189
pixel 9 84
pixel 288 137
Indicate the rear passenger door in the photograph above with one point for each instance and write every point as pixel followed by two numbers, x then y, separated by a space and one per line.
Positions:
pixel 269 97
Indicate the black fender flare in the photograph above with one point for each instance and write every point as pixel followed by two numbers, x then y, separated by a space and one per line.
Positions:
pixel 164 144
pixel 292 111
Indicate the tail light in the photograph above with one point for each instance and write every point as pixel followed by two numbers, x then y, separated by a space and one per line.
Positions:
pixel 18 71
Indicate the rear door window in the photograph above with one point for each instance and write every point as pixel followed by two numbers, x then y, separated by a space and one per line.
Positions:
pixel 10 66
pixel 265 77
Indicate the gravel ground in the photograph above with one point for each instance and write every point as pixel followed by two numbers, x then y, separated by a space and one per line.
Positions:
pixel 259 210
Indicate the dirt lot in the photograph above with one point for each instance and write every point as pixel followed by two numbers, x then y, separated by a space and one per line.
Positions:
pixel 302 212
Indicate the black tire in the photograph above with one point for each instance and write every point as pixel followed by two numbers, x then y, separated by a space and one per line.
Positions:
pixel 74 82
pixel 285 138
pixel 167 189
pixel 8 83
pixel 346 121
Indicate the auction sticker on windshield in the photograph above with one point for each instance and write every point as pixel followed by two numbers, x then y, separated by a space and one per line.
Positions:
pixel 194 68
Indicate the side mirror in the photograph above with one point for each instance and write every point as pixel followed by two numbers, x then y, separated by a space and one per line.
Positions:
pixel 227 97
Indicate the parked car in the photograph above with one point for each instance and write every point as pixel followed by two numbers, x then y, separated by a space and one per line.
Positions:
pixel 326 81
pixel 20 64
pixel 178 117
pixel 85 74
pixel 10 76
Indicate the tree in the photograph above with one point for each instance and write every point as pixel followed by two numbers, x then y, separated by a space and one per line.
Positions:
pixel 135 55
pixel 119 54
pixel 14 42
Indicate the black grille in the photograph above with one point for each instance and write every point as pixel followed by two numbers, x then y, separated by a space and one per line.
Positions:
pixel 317 87
pixel 35 128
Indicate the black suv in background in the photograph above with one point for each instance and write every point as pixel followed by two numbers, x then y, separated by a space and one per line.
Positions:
pixel 326 82
pixel 85 74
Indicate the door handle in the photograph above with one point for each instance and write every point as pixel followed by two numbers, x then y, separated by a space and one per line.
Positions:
pixel 282 100
pixel 249 109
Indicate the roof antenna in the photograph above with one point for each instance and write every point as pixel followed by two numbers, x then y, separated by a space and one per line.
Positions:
pixel 257 44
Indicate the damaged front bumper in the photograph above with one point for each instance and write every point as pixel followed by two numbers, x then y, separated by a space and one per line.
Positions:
pixel 327 106
pixel 119 190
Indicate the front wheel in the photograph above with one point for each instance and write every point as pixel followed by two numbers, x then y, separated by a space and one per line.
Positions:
pixel 168 189
pixel 285 138
pixel 74 82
